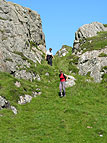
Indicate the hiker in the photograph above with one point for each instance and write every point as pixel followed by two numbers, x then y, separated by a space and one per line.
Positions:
pixel 49 56
pixel 63 79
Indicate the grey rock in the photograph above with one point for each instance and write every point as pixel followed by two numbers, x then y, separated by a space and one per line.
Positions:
pixel 14 110
pixel 28 98
pixel 90 62
pixel 34 94
pixel 22 100
pixel 62 52
pixel 47 74
pixel 17 84
pixel 4 103
pixel 25 75
pixel 70 82
pixel 21 39
pixel 85 31
pixel 42 47
pixel 38 77
pixel 39 93
pixel 37 89
pixel 25 99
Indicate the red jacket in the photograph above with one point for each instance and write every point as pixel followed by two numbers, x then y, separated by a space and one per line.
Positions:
pixel 62 77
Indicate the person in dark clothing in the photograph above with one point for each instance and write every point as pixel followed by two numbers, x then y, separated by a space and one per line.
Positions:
pixel 49 56
pixel 63 79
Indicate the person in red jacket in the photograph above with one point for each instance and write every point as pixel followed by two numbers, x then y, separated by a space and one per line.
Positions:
pixel 63 79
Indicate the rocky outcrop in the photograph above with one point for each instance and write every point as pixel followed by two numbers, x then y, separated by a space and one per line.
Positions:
pixel 21 39
pixel 85 31
pixel 91 62
pixel 28 98
pixel 63 51
pixel 5 104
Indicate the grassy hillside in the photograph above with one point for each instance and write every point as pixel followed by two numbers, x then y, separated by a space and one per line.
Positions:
pixel 95 43
pixel 80 117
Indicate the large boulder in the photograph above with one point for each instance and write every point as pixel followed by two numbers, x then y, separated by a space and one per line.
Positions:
pixel 70 82
pixel 85 31
pixel 21 39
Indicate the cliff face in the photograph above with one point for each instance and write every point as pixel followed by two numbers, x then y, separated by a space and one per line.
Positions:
pixel 21 39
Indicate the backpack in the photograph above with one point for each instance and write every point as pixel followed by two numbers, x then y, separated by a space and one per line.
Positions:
pixel 64 76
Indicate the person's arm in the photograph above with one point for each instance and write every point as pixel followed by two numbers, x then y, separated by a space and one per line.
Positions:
pixel 52 56
pixel 66 76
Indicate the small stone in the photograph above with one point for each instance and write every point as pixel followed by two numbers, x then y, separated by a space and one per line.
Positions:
pixel 28 98
pixel 25 99
pixel 38 89
pixel 47 74
pixel 34 94
pixel 89 127
pixel 14 109
pixel 17 84
pixel 21 101
pixel 38 77
pixel 39 93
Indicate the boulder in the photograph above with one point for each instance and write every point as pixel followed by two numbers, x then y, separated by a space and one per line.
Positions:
pixel 47 74
pixel 70 82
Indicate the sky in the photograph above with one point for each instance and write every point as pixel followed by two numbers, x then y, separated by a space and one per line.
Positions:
pixel 62 18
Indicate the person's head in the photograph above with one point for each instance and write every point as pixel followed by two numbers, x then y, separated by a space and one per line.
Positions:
pixel 60 71
pixel 50 49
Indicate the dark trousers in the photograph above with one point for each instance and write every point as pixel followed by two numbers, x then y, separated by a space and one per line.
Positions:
pixel 50 61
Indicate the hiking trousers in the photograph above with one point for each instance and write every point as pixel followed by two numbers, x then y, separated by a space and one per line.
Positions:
pixel 62 87
pixel 50 61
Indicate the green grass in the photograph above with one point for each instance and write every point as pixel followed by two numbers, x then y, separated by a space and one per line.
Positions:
pixel 97 43
pixel 49 118
pixel 1 18
pixel 103 55
pixel 67 63
pixel 105 25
